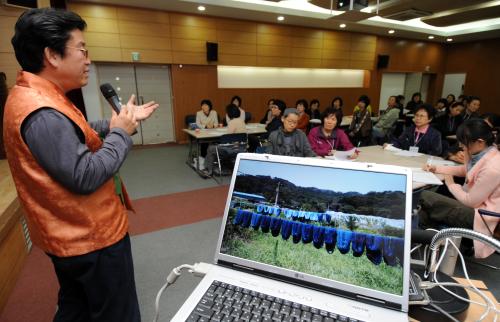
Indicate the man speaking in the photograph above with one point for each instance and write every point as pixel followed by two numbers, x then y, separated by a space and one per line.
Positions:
pixel 65 170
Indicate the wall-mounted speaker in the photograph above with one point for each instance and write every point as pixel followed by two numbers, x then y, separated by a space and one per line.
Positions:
pixel 382 61
pixel 212 51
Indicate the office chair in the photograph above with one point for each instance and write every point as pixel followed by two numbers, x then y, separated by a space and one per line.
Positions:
pixel 188 119
pixel 227 148
pixel 248 117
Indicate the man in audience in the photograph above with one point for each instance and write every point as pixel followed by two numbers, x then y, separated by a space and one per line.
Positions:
pixel 386 121
pixel 288 140
pixel 472 106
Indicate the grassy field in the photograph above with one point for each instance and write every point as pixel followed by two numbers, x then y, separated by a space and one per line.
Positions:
pixel 306 258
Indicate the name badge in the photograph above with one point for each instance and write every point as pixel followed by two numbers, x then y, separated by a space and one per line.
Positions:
pixel 414 149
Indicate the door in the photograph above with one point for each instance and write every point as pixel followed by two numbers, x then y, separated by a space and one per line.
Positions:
pixel 453 84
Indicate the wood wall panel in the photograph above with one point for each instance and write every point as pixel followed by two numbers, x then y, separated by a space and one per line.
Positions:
pixel 101 25
pixel 145 15
pixel 7 22
pixel 189 45
pixel 5 44
pixel 274 61
pixel 193 33
pixel 105 54
pixel 9 65
pixel 8 62
pixel 331 44
pixel 94 10
pixel 327 54
pixel 479 60
pixel 274 29
pixel 101 39
pixel 273 51
pixel 184 57
pixel 274 40
pixel 238 60
pixel 306 53
pixel 237 49
pixel 145 42
pixel 147 56
pixel 235 25
pixel 237 36
pixel 300 42
pixel 192 21
pixel 335 63
pixel 143 29
pixel 306 62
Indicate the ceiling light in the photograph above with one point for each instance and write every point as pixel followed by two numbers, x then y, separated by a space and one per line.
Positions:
pixel 431 37
pixel 201 8
pixel 342 25
pixel 449 39
pixel 391 31
pixel 280 18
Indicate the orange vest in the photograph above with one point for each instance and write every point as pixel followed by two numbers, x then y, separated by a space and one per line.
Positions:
pixel 61 222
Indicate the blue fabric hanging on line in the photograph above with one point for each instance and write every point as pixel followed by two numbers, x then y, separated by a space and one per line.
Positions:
pixel 393 250
pixel 330 239
pixel 344 240
pixel 318 236
pixel 276 211
pixel 275 226
pixel 265 223
pixel 328 218
pixel 374 245
pixel 301 214
pixel 307 215
pixel 288 213
pixel 286 229
pixel 296 231
pixel 260 208
pixel 247 217
pixel 307 230
pixel 256 219
pixel 358 243
pixel 295 214
pixel 238 218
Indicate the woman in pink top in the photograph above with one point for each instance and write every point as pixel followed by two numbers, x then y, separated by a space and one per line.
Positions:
pixel 480 191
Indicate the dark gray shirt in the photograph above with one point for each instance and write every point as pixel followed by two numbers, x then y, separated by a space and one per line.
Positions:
pixel 58 145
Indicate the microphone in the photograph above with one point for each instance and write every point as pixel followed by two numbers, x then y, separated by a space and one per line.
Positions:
pixel 110 95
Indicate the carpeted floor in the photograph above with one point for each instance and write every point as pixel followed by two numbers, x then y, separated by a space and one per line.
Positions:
pixel 162 238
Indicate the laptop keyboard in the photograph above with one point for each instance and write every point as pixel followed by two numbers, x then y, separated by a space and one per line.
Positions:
pixel 226 303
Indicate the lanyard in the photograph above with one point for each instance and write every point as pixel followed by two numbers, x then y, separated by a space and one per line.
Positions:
pixel 417 137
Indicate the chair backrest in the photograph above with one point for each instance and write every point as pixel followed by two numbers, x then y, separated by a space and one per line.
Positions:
pixel 248 117
pixel 233 138
pixel 190 118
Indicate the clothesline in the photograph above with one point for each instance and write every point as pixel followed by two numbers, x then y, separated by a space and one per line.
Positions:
pixel 376 247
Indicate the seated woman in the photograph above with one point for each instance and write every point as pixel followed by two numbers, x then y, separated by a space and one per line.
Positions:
pixel 416 101
pixel 368 106
pixel 420 136
pixel 269 114
pixel 480 191
pixel 277 108
pixel 337 104
pixel 207 117
pixel 302 108
pixel 287 140
pixel 449 122
pixel 236 100
pixel 327 138
pixel 360 129
pixel 314 109
pixel 235 125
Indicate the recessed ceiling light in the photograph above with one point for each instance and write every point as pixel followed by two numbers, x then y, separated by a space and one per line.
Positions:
pixel 280 18
pixel 342 25
pixel 201 8
pixel 431 37
pixel 391 31
pixel 449 39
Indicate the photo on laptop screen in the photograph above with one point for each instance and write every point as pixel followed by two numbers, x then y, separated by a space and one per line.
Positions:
pixel 340 224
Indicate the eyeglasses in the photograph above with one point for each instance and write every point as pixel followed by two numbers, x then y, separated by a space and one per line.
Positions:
pixel 83 50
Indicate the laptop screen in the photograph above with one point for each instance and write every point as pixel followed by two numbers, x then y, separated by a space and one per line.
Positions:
pixel 319 221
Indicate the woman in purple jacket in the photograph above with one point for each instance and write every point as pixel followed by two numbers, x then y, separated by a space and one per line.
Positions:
pixel 327 138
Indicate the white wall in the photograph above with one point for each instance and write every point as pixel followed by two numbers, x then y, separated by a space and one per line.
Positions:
pixel 412 85
pixel 453 84
pixel 91 96
pixel 392 84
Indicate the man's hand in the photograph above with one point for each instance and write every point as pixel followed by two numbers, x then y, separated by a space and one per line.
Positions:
pixel 143 111
pixel 126 120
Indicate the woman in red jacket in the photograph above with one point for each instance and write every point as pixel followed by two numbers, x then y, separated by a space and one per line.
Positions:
pixel 327 138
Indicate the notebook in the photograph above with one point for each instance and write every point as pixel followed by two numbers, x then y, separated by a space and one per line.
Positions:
pixel 309 239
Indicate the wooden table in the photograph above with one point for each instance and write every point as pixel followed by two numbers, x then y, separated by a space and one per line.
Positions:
pixel 197 137
pixel 376 154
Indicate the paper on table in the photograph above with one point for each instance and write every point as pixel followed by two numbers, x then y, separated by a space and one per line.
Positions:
pixel 405 153
pixel 392 148
pixel 443 162
pixel 426 177
pixel 342 155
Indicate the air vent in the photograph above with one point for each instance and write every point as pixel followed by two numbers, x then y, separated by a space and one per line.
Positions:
pixel 408 14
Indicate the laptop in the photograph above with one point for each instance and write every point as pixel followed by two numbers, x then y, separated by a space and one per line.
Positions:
pixel 309 239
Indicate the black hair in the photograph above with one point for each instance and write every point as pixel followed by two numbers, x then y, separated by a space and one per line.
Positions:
pixel 314 101
pixel 462 98
pixel 431 111
pixel 399 98
pixel 453 96
pixel 338 98
pixel 443 100
pixel 365 99
pixel 39 28
pixel 304 103
pixel 493 118
pixel 332 111
pixel 236 97
pixel 416 94
pixel 475 129
pixel 208 102
pixel 473 98
pixel 281 105
pixel 453 105
pixel 233 111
